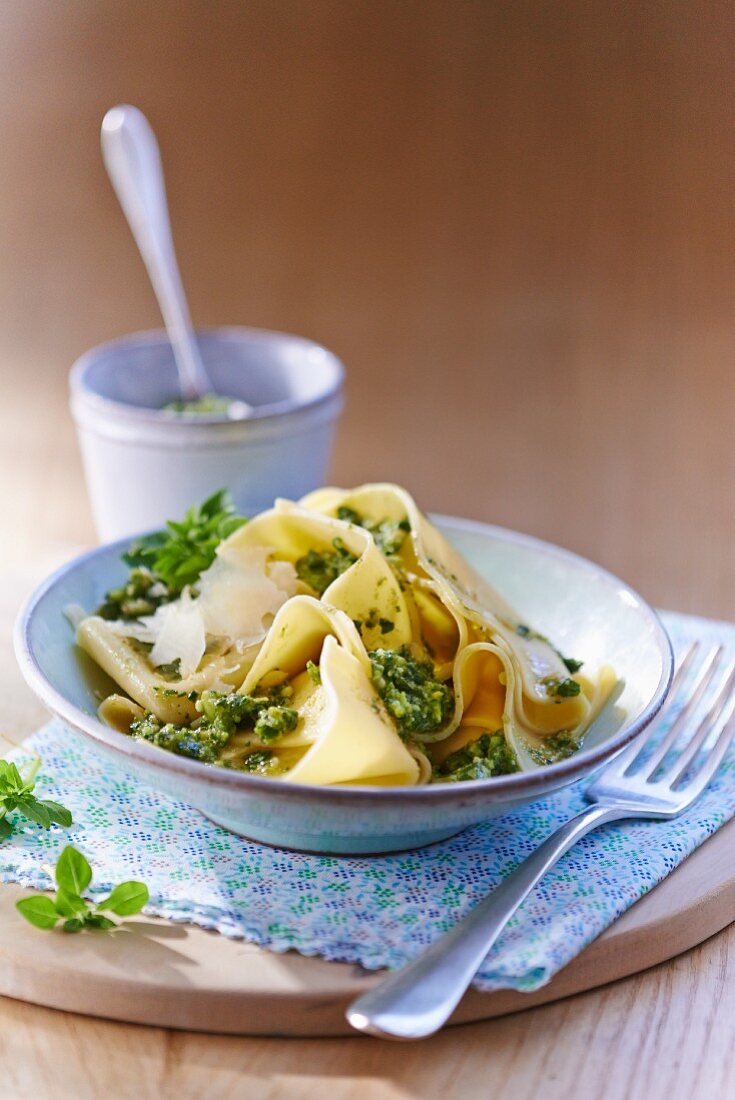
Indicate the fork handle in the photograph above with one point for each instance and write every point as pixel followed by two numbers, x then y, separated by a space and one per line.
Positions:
pixel 418 999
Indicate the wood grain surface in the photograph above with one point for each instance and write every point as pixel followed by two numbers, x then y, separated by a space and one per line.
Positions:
pixel 514 222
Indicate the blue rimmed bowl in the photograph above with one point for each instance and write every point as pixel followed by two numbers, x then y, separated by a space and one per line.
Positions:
pixel 584 609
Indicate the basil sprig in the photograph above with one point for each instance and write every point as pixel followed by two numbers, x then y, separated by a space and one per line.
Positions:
pixel 73 875
pixel 179 555
pixel 16 793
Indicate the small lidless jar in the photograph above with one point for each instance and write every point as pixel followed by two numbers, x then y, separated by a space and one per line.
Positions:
pixel 145 463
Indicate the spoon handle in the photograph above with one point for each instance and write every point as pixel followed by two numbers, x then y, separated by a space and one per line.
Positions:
pixel 133 162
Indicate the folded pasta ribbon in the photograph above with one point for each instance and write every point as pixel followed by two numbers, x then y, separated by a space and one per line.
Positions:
pixel 343 726
pixel 368 591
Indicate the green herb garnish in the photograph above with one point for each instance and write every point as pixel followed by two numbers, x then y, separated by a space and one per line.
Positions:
pixel 314 674
pixel 181 553
pixel 16 794
pixel 164 563
pixel 488 756
pixel 415 699
pixel 73 875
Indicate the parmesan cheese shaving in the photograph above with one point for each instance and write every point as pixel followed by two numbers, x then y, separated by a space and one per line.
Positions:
pixel 179 634
pixel 239 590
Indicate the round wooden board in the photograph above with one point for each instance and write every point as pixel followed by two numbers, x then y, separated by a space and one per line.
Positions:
pixel 179 976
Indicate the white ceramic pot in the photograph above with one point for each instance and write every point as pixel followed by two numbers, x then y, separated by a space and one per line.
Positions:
pixel 144 466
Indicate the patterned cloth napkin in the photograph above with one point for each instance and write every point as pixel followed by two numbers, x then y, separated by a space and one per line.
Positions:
pixel 373 911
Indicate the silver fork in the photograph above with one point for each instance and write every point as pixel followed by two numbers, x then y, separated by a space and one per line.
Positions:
pixel 416 1001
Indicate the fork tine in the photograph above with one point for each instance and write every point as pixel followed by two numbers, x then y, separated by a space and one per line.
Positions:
pixel 682 668
pixel 623 761
pixel 696 785
pixel 725 695
pixel 704 679
pixel 684 665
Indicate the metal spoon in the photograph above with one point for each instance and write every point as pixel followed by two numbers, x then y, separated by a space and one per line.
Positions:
pixel 133 163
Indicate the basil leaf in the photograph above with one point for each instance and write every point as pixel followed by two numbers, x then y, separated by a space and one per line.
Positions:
pixel 96 920
pixel 69 905
pixel 73 872
pixel 16 793
pixel 13 777
pixel 6 829
pixel 58 813
pixel 73 925
pixel 126 899
pixel 34 810
pixel 38 910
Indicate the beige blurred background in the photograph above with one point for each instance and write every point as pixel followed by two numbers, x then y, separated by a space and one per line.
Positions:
pixel 513 221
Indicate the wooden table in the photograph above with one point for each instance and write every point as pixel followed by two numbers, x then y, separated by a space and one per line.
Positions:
pixel 515 224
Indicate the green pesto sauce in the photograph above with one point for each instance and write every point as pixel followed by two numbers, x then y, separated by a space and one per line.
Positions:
pixel 389 535
pixel 564 689
pixel 559 747
pixel 273 722
pixel 488 756
pixel 373 621
pixel 141 595
pixel 170 671
pixel 261 763
pixel 222 715
pixel 172 693
pixel 314 674
pixel 212 404
pixel 203 742
pixel 414 698
pixel 320 569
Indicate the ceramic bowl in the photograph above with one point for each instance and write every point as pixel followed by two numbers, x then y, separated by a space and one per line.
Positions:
pixel 584 609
